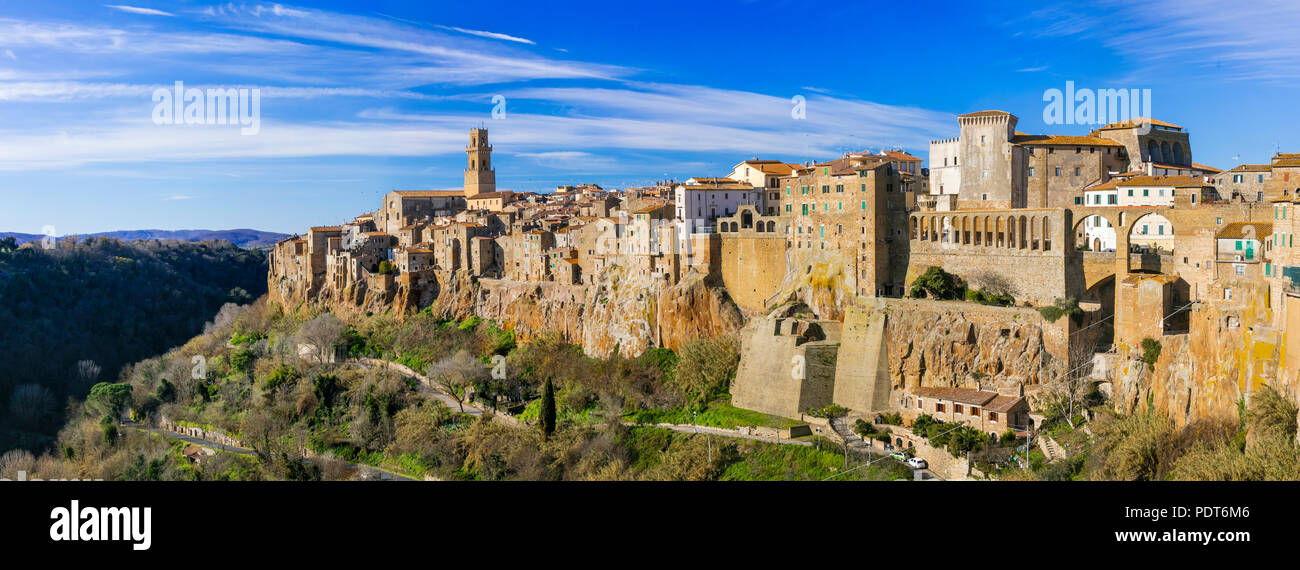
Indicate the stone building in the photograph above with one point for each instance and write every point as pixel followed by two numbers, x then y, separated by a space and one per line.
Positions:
pixel 984 410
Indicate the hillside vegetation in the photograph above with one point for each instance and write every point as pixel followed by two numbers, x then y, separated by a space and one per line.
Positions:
pixel 262 383
pixel 74 315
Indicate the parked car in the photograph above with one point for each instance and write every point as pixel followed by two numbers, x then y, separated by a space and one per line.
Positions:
pixel 899 455
pixel 917 463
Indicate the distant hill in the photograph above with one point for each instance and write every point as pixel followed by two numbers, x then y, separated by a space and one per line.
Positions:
pixel 241 237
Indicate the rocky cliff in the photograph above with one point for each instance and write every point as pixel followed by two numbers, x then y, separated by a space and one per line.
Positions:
pixel 622 312
pixel 946 343
pixel 1229 351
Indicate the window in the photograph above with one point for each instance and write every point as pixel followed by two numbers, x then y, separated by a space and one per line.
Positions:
pixel 826 188
pixel 864 187
pixel 1076 171
pixel 938 408
pixel 864 204
pixel 839 187
pixel 1239 269
pixel 1078 200
pixel 1112 199
pixel 1146 191
pixel 1130 192
pixel 1031 172
pixel 974 411
pixel 993 417
pixel 919 404
pixel 1058 171
pixel 956 408
pixel 1260 179
pixel 1236 178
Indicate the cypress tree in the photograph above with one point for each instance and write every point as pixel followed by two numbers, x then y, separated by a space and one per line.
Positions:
pixel 547 414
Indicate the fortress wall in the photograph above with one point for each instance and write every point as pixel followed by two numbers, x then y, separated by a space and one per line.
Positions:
pixel 753 267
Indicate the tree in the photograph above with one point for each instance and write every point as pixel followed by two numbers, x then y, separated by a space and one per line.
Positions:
pixel 30 404
pixel 109 399
pixel 457 371
pixel 1070 394
pixel 706 367
pixel 547 414
pixel 321 334
pixel 936 283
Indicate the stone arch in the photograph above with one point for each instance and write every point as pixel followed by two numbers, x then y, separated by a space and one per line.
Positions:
pixel 1024 238
pixel 771 226
pixel 1178 154
pixel 1151 244
pixel 965 230
pixel 747 219
pixel 722 227
pixel 1153 151
pixel 735 227
pixel 1047 233
pixel 758 227
pixel 1164 151
pixel 1011 232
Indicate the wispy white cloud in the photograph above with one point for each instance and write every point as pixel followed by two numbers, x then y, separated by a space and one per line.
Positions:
pixel 491 35
pixel 10 54
pixel 177 197
pixel 139 10
pixel 1178 38
pixel 1032 69
pixel 54 91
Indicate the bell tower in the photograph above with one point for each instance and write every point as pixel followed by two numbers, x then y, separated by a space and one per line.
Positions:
pixel 479 176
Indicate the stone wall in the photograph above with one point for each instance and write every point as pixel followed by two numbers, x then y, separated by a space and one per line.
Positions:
pixel 886 347
pixel 753 266
pixel 1031 249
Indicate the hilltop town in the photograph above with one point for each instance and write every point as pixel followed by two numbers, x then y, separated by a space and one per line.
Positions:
pixel 1013 270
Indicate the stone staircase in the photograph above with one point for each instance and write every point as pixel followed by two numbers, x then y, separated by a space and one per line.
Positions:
pixel 844 430
pixel 1051 450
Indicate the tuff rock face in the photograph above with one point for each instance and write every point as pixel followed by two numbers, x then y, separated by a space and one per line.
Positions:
pixel 1228 353
pixel 622 312
pixel 968 346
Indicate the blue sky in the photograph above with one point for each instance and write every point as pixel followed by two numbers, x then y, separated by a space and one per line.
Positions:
pixel 362 97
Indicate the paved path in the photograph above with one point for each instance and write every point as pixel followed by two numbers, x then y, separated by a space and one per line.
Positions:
pixel 432 388
pixel 367 472
pixel 723 432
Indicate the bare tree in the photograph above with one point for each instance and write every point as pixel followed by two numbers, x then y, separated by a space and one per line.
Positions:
pixel 30 404
pixel 458 370
pixel 1069 394
pixel 321 334
pixel 993 283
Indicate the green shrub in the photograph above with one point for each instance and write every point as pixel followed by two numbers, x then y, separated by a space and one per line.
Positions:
pixel 1061 308
pixel 864 428
pixel 1150 352
pixel 830 411
pixel 985 298
pixel 937 284
pixel 242 360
